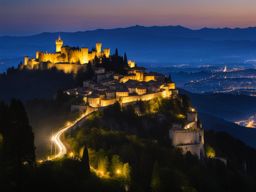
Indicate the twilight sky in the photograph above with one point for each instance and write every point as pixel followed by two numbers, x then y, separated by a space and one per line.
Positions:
pixel 33 16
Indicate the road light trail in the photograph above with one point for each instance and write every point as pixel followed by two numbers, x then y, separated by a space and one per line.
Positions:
pixel 56 138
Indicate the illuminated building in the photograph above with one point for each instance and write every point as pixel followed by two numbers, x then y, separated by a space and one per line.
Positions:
pixel 66 58
pixel 189 138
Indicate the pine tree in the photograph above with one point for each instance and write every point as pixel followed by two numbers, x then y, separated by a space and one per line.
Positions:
pixel 155 180
pixel 170 77
pixel 116 53
pixel 20 137
pixel 85 161
pixel 125 59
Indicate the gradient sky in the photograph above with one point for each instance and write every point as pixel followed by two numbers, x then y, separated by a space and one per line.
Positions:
pixel 33 16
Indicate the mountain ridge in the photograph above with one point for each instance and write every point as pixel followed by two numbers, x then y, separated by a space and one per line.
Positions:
pixel 174 28
pixel 150 45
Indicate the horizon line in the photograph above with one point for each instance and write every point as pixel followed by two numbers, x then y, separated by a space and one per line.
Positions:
pixel 125 27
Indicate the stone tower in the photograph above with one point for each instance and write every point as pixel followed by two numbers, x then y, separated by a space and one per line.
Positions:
pixel 59 44
pixel 98 49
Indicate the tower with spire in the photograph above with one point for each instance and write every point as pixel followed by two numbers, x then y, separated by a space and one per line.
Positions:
pixel 59 44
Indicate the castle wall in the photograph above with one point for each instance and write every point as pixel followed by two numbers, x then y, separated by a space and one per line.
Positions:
pixel 139 76
pixel 150 96
pixel 185 137
pixel 135 98
pixel 94 101
pixel 66 67
pixel 129 99
pixel 148 78
pixel 107 102
pixel 91 55
pixel 33 64
pixel 49 57
pixel 74 56
pixel 78 56
pixel 84 56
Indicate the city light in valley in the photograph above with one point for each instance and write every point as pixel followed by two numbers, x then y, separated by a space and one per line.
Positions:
pixel 249 123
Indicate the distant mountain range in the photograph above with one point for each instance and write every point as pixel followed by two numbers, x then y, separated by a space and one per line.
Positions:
pixel 147 45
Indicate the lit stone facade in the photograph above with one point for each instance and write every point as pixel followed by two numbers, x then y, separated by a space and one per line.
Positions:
pixel 67 59
pixel 112 88
pixel 189 138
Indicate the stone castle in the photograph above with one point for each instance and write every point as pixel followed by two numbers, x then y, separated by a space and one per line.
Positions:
pixel 66 58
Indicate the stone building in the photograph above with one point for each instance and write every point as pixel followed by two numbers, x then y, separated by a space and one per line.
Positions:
pixel 190 137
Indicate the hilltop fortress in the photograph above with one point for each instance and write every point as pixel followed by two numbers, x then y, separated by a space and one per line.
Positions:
pixel 66 58
pixel 119 81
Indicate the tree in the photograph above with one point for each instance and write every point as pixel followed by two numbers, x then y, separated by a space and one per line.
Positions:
pixel 170 77
pixel 20 138
pixel 155 180
pixel 125 59
pixel 85 161
pixel 116 52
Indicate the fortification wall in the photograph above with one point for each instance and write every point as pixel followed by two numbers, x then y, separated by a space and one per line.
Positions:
pixel 49 57
pixel 150 96
pixel 135 98
pixel 94 101
pixel 66 67
pixel 74 56
pixel 148 78
pixel 107 102
pixel 91 56
pixel 129 99
pixel 184 137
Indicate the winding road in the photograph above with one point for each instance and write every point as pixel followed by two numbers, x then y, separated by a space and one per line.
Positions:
pixel 56 138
